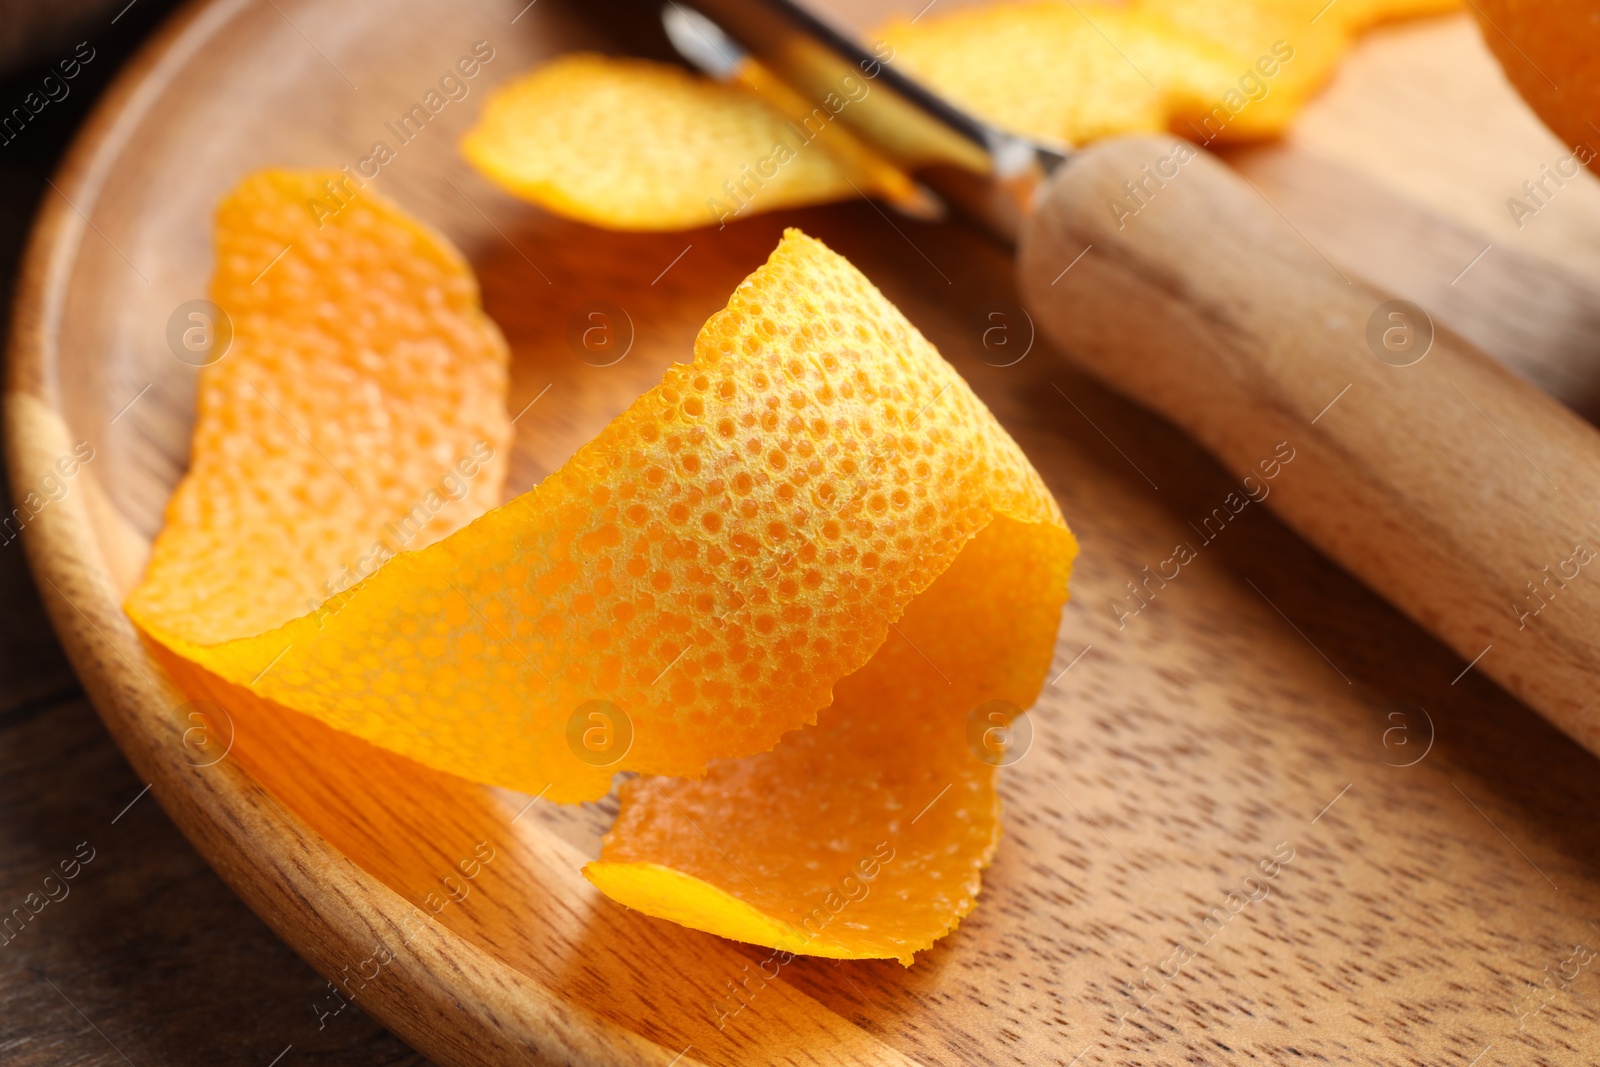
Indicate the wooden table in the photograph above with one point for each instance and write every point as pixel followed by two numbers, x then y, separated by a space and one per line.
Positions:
pixel 1438 845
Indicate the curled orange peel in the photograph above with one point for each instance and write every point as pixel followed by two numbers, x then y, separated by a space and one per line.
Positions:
pixel 864 836
pixel 815 515
pixel 730 547
pixel 632 144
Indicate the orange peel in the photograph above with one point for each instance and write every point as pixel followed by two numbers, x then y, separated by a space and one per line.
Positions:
pixel 632 144
pixel 1064 73
pixel 1285 50
pixel 1213 70
pixel 738 541
pixel 814 514
pixel 865 836
pixel 359 411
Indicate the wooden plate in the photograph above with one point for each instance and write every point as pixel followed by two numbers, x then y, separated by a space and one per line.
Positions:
pixel 1433 845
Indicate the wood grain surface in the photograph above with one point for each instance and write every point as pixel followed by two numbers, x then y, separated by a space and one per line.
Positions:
pixel 1451 486
pixel 1421 849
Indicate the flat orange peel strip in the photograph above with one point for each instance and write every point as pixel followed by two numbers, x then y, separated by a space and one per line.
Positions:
pixel 740 539
pixel 632 144
pixel 1060 72
pixel 359 411
pixel 1212 70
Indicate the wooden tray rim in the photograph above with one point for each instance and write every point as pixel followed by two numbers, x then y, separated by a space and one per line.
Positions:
pixel 321 903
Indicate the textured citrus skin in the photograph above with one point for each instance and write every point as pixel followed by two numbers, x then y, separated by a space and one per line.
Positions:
pixel 359 412
pixel 1061 72
pixel 631 144
pixel 1548 50
pixel 712 563
pixel 1250 31
pixel 1317 32
pixel 863 837
pixel 1079 72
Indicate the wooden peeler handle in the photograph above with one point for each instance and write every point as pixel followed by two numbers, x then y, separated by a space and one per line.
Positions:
pixel 1462 494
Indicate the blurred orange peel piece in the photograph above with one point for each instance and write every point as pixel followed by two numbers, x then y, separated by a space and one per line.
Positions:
pixel 816 514
pixel 1214 71
pixel 631 144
